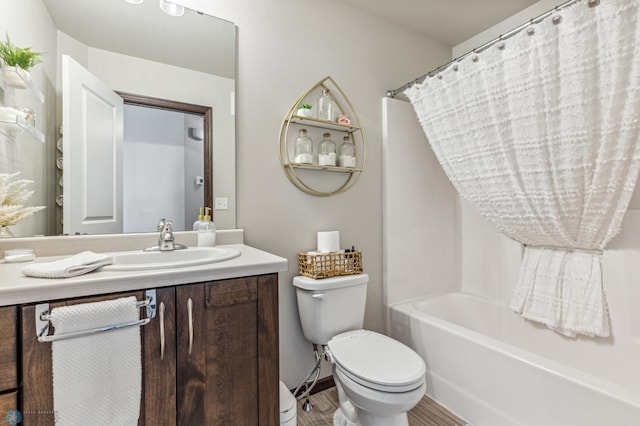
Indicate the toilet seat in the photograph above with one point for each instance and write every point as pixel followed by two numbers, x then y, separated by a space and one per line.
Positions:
pixel 376 361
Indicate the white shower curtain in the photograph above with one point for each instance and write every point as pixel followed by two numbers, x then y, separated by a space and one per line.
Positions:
pixel 540 134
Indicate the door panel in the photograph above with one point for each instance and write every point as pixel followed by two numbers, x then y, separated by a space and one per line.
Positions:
pixel 92 164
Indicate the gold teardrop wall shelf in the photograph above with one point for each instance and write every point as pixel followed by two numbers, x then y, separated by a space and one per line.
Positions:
pixel 315 179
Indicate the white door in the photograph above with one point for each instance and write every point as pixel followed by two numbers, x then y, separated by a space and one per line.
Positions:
pixel 92 166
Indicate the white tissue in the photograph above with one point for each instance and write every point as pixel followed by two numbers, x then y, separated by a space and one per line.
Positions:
pixel 328 241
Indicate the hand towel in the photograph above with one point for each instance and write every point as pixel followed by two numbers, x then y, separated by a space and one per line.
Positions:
pixel 97 379
pixel 78 264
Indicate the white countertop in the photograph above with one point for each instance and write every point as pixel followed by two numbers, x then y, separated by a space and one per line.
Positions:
pixel 16 288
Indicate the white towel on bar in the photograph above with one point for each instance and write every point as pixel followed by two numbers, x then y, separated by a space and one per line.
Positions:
pixel 97 379
pixel 78 264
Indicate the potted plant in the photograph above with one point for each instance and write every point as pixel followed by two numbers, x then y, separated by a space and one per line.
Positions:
pixel 16 63
pixel 304 110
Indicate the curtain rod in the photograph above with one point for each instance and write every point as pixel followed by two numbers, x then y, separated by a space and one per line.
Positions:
pixel 511 33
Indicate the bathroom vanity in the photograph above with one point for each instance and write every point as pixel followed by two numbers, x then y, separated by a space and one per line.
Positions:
pixel 210 355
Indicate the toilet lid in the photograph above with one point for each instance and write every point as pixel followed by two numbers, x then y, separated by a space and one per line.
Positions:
pixel 377 361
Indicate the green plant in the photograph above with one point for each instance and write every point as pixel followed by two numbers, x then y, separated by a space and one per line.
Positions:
pixel 304 106
pixel 23 57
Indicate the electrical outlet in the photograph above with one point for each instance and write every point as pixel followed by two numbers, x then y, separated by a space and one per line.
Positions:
pixel 221 203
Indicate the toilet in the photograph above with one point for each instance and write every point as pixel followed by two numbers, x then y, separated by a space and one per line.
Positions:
pixel 378 378
pixel 288 416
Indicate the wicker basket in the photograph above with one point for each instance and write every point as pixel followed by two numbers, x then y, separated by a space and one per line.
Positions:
pixel 324 265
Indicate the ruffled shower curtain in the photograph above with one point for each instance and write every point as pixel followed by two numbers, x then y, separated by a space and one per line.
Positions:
pixel 540 134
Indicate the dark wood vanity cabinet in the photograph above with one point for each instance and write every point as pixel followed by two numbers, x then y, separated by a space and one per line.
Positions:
pixel 8 360
pixel 225 352
pixel 210 356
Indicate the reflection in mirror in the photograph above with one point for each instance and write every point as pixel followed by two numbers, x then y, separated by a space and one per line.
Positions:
pixel 133 49
pixel 164 145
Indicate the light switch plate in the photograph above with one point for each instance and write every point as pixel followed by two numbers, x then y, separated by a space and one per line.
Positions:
pixel 221 203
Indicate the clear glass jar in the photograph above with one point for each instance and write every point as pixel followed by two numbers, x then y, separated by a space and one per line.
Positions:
pixel 327 107
pixel 327 151
pixel 347 153
pixel 303 148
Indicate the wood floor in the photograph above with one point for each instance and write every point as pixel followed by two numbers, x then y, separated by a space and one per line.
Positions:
pixel 325 403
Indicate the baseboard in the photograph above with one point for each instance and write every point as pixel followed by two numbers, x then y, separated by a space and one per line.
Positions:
pixel 323 384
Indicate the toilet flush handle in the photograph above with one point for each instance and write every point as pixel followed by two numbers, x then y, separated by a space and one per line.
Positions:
pixel 319 296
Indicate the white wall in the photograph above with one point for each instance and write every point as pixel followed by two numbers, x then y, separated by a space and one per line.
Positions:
pixel 420 234
pixel 284 47
pixel 153 168
pixel 193 166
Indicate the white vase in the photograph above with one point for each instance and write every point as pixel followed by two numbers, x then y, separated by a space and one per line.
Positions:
pixel 303 112
pixel 15 77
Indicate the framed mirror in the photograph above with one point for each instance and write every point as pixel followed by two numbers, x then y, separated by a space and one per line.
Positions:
pixel 139 51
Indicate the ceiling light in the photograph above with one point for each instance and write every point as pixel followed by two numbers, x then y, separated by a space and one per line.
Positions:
pixel 134 1
pixel 171 8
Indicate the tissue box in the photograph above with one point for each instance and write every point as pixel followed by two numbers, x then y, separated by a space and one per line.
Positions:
pixel 324 265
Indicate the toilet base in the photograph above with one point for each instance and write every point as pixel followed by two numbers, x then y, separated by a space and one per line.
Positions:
pixel 340 420
pixel 368 419
pixel 365 418
pixel 374 408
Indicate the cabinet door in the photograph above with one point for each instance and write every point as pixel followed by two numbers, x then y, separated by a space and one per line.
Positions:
pixel 159 356
pixel 232 334
pixel 190 351
pixel 232 351
pixel 8 345
pixel 268 351
pixel 37 379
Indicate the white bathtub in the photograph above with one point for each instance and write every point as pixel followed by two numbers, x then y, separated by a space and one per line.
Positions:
pixel 475 369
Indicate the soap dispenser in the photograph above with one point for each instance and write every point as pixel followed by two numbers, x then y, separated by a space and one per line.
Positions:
pixel 206 230
pixel 196 224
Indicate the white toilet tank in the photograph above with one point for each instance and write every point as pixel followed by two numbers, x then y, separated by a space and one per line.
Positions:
pixel 330 306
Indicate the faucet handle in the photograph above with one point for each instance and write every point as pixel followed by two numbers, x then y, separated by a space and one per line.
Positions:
pixel 161 225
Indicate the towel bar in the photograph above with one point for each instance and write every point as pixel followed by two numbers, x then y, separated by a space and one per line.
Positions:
pixel 43 317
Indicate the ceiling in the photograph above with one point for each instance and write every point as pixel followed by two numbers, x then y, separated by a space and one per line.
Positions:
pixel 448 21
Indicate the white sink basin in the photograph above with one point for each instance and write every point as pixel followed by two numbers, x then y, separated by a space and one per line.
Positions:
pixel 143 260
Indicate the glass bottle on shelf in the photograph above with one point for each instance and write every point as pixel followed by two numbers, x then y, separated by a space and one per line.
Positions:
pixel 327 108
pixel 303 149
pixel 347 153
pixel 327 151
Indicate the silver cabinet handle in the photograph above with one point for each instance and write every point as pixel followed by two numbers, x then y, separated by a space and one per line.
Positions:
pixel 161 330
pixel 190 314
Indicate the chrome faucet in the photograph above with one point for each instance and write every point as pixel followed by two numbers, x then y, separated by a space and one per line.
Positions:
pixel 166 241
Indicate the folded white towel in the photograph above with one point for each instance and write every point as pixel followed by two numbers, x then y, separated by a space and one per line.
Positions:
pixel 97 379
pixel 78 264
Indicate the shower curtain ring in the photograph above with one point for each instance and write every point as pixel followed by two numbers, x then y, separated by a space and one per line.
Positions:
pixel 594 3
pixel 557 19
